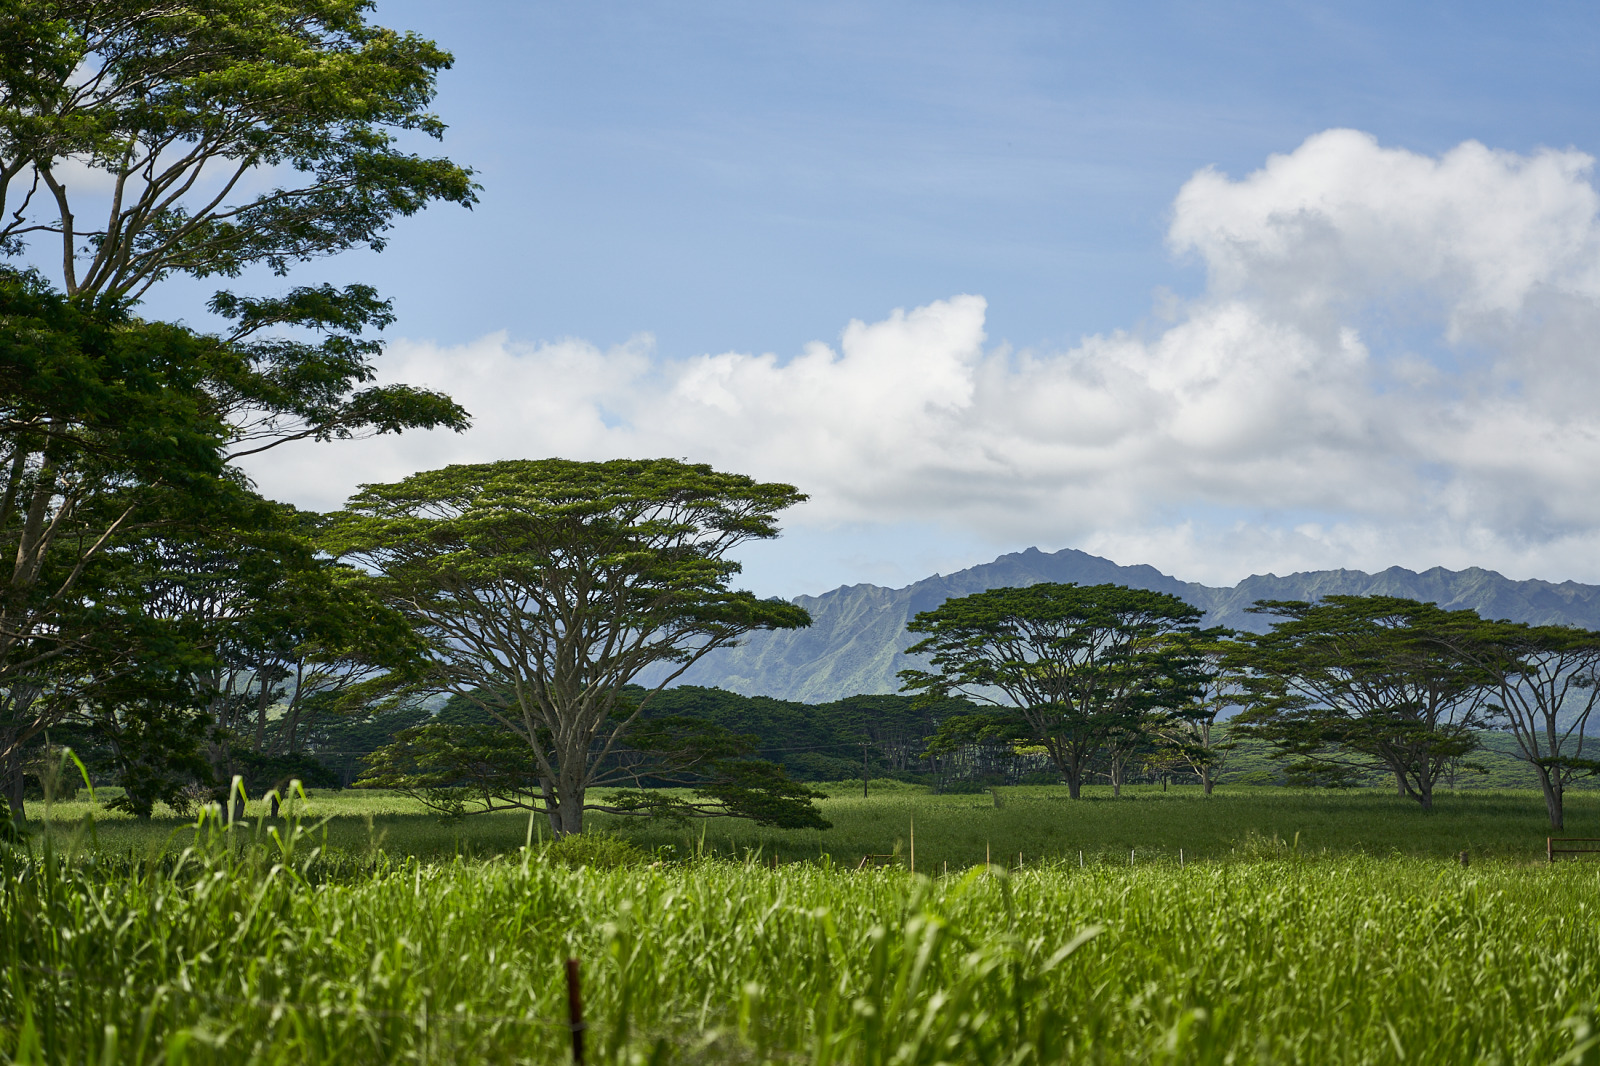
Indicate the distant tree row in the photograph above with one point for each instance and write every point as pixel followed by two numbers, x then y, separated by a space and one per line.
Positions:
pixel 1340 688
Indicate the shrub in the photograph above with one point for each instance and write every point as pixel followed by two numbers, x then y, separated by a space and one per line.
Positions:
pixel 603 851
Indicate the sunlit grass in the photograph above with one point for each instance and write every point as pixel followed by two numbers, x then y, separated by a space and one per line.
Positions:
pixel 249 952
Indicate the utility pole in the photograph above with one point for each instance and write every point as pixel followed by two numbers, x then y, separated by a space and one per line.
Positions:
pixel 864 771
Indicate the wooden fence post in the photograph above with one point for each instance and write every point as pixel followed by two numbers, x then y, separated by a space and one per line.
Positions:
pixel 575 1010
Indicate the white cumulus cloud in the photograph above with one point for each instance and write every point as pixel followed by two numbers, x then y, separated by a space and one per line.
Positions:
pixel 1393 362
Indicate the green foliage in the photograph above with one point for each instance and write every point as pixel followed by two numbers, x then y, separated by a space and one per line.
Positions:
pixel 121 514
pixel 154 753
pixel 104 424
pixel 50 774
pixel 983 743
pixel 542 588
pixel 277 389
pixel 1077 668
pixel 457 770
pixel 228 134
pixel 341 741
pixel 306 92
pixel 1354 682
pixel 261 772
pixel 278 626
pixel 601 851
pixel 818 741
pixel 216 647
pixel 112 395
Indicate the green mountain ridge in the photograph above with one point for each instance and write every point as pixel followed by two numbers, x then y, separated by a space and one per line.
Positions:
pixel 857 638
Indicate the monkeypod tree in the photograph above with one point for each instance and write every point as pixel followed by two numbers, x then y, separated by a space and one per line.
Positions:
pixel 140 141
pixel 1545 687
pixel 542 588
pixel 114 431
pixel 1189 733
pixel 1073 668
pixel 1353 684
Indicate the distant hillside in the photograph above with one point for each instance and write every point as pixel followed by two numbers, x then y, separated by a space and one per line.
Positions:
pixel 856 641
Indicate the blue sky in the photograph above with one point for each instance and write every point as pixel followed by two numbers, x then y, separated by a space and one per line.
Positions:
pixel 750 176
pixel 693 179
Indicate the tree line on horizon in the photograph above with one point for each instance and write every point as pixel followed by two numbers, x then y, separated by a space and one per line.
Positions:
pixel 1338 689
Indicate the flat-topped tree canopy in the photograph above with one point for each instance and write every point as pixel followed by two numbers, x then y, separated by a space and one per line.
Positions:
pixel 1073 667
pixel 1352 683
pixel 543 587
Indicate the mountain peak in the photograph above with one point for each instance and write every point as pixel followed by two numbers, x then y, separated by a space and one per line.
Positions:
pixel 857 638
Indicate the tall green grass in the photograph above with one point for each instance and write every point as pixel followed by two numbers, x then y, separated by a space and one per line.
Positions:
pixel 248 947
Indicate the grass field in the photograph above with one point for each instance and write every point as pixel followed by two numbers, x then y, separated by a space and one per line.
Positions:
pixel 401 939
pixel 1040 822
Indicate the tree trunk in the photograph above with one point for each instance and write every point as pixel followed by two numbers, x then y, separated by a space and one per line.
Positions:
pixel 1205 781
pixel 295 703
pixel 263 702
pixel 570 784
pixel 571 815
pixel 217 752
pixel 11 783
pixel 1551 787
pixel 1071 769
